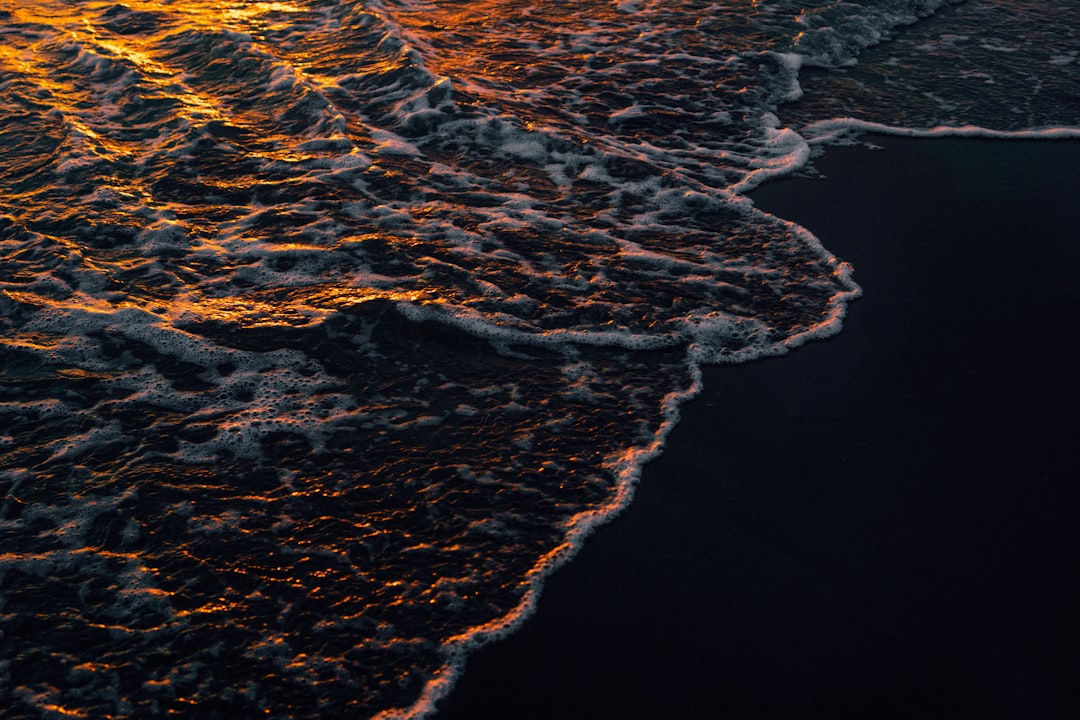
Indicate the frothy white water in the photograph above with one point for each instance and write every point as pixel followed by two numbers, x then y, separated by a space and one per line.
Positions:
pixel 836 130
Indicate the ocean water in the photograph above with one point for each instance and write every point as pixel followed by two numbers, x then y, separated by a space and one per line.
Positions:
pixel 328 329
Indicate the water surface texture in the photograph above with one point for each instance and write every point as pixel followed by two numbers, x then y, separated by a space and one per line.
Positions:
pixel 327 329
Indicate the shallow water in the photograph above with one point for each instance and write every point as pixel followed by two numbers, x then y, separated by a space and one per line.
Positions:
pixel 330 328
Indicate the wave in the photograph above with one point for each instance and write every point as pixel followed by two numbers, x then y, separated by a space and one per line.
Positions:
pixel 331 329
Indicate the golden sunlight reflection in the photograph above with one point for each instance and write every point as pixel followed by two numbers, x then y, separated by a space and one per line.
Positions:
pixel 236 15
pixel 143 50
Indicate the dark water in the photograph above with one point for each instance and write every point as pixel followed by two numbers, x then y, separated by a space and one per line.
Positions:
pixel 329 328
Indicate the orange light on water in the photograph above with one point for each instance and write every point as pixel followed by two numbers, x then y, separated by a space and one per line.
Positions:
pixel 61 710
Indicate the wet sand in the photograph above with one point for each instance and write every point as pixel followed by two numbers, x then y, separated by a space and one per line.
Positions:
pixel 885 524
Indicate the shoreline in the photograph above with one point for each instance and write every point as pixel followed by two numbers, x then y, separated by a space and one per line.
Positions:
pixel 789 552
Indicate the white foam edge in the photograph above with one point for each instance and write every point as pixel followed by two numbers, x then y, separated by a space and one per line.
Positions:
pixel 836 130
pixel 695 332
pixel 796 158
